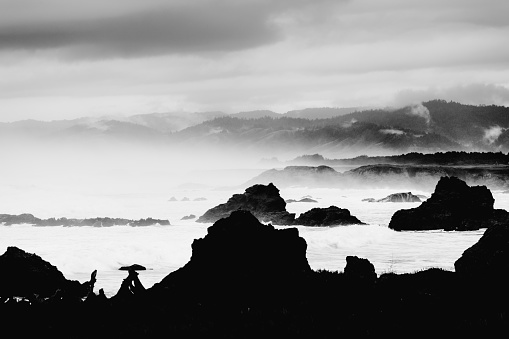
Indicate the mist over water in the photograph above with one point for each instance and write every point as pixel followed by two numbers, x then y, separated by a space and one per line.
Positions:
pixel 80 180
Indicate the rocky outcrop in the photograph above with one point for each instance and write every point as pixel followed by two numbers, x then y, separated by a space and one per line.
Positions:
pixel 241 254
pixel 188 217
pixel 289 201
pixel 8 219
pixel 453 206
pixel 400 197
pixel 25 275
pixel 397 197
pixel 360 269
pixel 489 257
pixel 263 201
pixel 330 216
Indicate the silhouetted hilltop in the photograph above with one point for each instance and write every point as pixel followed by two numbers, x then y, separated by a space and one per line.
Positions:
pixel 439 158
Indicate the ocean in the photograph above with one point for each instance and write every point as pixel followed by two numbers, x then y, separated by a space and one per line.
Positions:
pixel 77 251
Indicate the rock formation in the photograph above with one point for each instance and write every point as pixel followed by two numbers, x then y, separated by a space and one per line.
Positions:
pixel 263 201
pixel 453 206
pixel 133 267
pixel 241 255
pixel 397 197
pixel 188 217
pixel 489 257
pixel 360 269
pixel 329 216
pixel 289 201
pixel 8 219
pixel 25 275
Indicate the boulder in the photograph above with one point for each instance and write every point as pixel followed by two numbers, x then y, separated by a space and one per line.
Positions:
pixel 360 269
pixel 489 257
pixel 453 206
pixel 330 216
pixel 263 201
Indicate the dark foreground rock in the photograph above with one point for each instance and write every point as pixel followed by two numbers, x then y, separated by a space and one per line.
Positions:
pixel 265 203
pixel 489 257
pixel 453 206
pixel 330 216
pixel 27 275
pixel 133 267
pixel 9 219
pixel 240 252
pixel 250 280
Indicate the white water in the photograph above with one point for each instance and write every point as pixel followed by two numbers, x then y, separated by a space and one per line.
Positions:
pixel 77 251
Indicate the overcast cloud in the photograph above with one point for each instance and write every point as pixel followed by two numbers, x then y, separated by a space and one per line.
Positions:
pixel 63 58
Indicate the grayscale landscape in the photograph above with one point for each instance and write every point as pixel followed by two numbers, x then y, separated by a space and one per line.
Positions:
pixel 239 169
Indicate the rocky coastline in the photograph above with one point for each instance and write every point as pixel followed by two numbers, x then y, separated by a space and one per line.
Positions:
pixel 246 279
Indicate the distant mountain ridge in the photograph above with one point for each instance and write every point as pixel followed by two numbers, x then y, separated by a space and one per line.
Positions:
pixel 433 126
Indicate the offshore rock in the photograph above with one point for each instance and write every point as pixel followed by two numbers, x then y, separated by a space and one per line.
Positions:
pixel 330 216
pixel 8 219
pixel 263 201
pixel 453 206
pixel 400 197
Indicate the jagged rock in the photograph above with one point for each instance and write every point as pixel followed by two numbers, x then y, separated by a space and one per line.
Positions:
pixel 188 217
pixel 453 206
pixel 360 269
pixel 240 253
pixel 131 286
pixel 329 216
pixel 263 201
pixel 133 267
pixel 25 274
pixel 400 197
pixel 489 256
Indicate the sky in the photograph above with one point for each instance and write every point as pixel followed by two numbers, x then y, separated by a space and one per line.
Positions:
pixel 62 59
